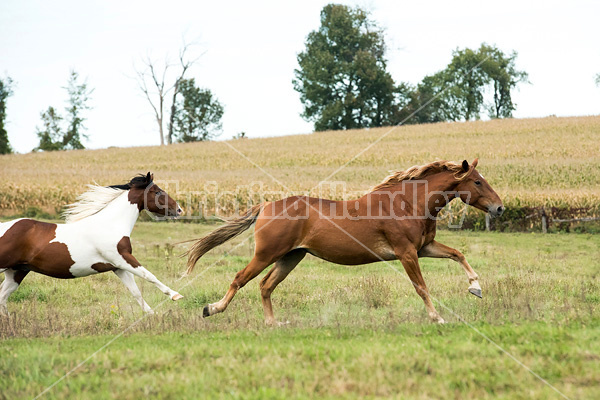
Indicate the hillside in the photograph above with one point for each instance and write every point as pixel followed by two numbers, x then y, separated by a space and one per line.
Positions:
pixel 550 161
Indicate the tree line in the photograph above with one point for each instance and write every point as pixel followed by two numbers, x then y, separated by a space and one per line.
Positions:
pixel 344 84
pixel 342 80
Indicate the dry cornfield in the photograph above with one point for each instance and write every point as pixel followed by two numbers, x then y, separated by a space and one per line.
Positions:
pixel 530 162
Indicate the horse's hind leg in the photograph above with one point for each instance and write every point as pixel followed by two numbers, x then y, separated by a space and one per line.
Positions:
pixel 255 267
pixel 129 282
pixel 12 280
pixel 278 273
pixel 127 262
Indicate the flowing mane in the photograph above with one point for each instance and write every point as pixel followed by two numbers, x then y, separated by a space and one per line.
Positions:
pixel 90 202
pixel 422 171
pixel 98 197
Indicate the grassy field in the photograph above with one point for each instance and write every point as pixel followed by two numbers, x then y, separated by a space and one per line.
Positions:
pixel 549 161
pixel 353 332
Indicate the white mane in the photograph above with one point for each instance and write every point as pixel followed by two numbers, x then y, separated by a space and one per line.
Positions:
pixel 90 202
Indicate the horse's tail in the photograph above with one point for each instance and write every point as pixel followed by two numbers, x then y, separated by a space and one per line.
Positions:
pixel 220 236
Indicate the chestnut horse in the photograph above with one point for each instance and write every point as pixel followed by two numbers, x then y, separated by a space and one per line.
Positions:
pixel 395 221
pixel 95 239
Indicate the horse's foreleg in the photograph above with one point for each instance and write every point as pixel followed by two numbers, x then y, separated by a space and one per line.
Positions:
pixel 127 262
pixel 129 281
pixel 12 280
pixel 438 250
pixel 410 262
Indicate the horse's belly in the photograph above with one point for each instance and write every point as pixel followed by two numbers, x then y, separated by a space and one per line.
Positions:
pixel 347 253
pixel 84 269
pixel 349 243
pixel 85 259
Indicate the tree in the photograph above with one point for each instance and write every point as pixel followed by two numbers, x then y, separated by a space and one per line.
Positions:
pixel 467 81
pixel 198 113
pixel 342 77
pixel 504 76
pixel 53 135
pixel 5 92
pixel 153 76
pixel 458 92
pixel 79 95
pixel 433 101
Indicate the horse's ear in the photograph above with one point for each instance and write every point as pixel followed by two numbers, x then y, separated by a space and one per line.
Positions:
pixel 474 163
pixel 149 177
pixel 465 166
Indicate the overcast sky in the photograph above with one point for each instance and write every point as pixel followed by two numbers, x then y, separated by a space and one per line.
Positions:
pixel 249 55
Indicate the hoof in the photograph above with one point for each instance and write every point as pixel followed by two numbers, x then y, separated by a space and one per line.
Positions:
pixel 149 312
pixel 177 297
pixel 476 292
pixel 276 324
pixel 205 312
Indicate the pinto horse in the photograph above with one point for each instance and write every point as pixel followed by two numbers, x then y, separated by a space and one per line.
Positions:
pixel 395 221
pixel 94 239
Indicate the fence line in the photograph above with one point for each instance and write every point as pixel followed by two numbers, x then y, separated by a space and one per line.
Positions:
pixel 546 220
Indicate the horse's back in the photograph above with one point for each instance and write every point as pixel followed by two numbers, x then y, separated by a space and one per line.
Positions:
pixel 21 239
pixel 26 229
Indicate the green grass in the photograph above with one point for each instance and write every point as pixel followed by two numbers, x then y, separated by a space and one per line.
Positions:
pixel 354 332
pixel 419 361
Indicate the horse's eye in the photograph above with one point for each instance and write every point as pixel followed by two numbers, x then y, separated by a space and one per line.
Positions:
pixel 478 183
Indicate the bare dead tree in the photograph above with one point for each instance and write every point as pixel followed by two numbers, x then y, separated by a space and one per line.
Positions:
pixel 153 77
pixel 158 80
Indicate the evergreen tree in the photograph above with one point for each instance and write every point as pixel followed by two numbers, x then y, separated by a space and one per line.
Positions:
pixel 79 95
pixel 5 92
pixel 52 135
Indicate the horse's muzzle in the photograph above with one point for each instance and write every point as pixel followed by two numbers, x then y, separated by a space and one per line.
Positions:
pixel 496 210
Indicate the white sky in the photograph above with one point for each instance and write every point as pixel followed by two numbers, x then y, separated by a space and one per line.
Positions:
pixel 250 55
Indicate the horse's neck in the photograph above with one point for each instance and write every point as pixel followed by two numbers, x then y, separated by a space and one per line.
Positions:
pixel 440 189
pixel 120 215
pixel 420 199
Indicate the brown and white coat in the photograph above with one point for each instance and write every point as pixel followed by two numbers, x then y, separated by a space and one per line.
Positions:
pixel 95 239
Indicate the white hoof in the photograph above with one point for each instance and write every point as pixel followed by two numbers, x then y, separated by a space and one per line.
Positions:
pixel 176 297
pixel 275 323
pixel 437 319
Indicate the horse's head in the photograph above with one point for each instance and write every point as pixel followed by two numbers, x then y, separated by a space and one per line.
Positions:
pixel 475 191
pixel 148 196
